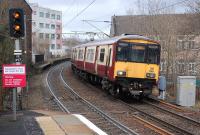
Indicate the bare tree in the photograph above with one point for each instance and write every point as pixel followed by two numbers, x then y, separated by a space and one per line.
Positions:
pixel 162 24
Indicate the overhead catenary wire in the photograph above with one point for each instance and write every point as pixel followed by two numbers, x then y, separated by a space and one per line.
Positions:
pixel 96 27
pixel 68 9
pixel 79 13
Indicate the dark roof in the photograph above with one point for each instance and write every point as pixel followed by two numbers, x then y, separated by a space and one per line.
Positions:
pixel 156 24
pixel 28 4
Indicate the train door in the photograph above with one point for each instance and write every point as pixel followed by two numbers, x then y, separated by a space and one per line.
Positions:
pixel 96 59
pixel 84 58
pixel 109 60
pixel 102 59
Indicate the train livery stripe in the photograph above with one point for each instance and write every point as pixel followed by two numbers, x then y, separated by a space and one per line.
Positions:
pixel 139 41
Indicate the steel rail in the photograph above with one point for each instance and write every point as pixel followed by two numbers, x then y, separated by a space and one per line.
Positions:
pixel 97 110
pixel 60 104
pixel 173 113
pixel 165 124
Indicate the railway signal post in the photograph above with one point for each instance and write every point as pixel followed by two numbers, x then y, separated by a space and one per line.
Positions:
pixel 16 24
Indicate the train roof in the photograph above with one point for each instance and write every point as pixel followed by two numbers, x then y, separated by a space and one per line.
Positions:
pixel 114 40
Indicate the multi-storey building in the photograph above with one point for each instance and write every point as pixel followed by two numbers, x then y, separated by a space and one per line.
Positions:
pixel 46 31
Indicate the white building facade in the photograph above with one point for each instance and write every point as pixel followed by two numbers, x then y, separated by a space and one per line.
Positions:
pixel 46 31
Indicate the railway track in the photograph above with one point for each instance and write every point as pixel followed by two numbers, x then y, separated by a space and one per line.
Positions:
pixel 193 115
pixel 172 122
pixel 128 115
pixel 188 119
pixel 74 103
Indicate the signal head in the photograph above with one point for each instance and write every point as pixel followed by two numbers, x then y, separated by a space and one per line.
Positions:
pixel 16 20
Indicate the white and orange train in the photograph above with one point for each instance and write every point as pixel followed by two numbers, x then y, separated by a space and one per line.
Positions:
pixel 123 65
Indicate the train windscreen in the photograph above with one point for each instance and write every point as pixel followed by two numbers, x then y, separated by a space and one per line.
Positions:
pixel 141 53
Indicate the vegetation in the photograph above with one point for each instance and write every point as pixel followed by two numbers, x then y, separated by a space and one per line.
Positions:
pixel 6 45
pixel 175 36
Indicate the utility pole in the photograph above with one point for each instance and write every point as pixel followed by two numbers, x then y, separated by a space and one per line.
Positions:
pixel 17 54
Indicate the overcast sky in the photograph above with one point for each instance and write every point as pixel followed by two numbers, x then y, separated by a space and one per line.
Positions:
pixel 99 10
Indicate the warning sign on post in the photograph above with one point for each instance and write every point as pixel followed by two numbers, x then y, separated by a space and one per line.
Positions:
pixel 14 76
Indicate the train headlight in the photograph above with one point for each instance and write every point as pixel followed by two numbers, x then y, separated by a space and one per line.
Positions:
pixel 150 75
pixel 121 73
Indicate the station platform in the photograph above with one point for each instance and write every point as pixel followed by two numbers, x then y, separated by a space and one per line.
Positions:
pixel 73 124
pixel 47 123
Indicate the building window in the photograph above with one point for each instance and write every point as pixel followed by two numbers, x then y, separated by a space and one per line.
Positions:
pixel 58 46
pixel 34 24
pixel 41 25
pixel 102 53
pixel 41 14
pixel 47 15
pixel 58 17
pixel 52 36
pixel 41 35
pixel 180 44
pixel 185 45
pixel 47 26
pixel 181 67
pixel 52 26
pixel 47 36
pixel 53 16
pixel 52 46
pixel 58 36
pixel 191 44
pixel 34 13
pixel 58 27
pixel 192 67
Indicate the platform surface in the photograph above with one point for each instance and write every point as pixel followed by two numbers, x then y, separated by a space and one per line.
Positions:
pixel 73 124
pixel 39 122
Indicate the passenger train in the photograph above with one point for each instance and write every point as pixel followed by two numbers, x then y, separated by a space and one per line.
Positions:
pixel 123 65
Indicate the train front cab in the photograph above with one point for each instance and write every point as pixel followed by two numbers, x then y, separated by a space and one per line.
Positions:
pixel 136 69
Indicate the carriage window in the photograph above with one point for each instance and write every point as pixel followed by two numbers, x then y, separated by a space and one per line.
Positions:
pixel 80 54
pixel 102 53
pixel 90 55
